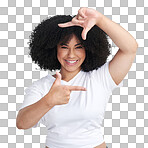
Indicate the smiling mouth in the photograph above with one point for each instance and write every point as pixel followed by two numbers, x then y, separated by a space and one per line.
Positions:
pixel 71 63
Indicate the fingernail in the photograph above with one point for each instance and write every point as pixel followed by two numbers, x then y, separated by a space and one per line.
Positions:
pixel 85 89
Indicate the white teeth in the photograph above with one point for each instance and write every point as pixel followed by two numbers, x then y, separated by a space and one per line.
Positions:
pixel 71 61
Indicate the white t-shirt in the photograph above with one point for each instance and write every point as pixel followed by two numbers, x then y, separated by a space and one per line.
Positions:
pixel 78 123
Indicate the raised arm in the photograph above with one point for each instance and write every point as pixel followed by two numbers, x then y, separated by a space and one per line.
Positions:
pixel 122 61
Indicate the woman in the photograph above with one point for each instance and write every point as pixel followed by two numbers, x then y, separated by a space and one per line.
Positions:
pixel 72 103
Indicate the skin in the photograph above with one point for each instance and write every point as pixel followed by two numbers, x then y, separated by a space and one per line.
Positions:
pixel 58 94
pixel 74 53
pixel 118 66
pixel 71 51
pixel 87 18
pixel 123 59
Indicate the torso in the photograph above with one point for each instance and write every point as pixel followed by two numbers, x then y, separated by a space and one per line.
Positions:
pixel 103 145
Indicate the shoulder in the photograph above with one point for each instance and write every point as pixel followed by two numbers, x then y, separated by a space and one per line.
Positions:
pixel 41 84
pixel 100 70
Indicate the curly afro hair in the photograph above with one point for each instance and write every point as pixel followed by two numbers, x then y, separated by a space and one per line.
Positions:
pixel 46 35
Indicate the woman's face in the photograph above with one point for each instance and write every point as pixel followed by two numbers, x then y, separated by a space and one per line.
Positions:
pixel 71 55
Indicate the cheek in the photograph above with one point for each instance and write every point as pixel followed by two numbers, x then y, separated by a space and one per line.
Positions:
pixel 82 54
pixel 60 54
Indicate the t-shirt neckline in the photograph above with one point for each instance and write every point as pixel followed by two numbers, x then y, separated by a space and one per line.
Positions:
pixel 69 80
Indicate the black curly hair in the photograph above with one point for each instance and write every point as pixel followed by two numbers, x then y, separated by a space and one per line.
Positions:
pixel 46 35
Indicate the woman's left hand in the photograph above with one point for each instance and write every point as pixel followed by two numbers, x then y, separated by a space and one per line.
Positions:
pixel 86 18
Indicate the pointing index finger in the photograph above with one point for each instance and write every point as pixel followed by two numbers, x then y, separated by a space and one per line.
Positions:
pixel 68 24
pixel 77 88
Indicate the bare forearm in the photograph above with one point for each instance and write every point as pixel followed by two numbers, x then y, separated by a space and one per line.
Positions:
pixel 30 115
pixel 118 34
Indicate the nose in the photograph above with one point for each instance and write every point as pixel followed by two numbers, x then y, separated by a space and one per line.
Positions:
pixel 71 53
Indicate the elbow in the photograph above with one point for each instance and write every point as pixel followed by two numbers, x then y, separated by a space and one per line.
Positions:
pixel 19 124
pixel 135 47
pixel 19 121
pixel 131 48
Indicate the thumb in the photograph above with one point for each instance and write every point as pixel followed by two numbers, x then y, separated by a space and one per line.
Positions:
pixel 58 78
pixel 84 33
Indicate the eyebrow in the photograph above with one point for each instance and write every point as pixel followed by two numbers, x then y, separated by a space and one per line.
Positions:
pixel 66 44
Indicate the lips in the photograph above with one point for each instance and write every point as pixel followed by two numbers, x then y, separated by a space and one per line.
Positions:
pixel 71 60
pixel 71 64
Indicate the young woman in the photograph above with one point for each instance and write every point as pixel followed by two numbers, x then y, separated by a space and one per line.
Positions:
pixel 72 103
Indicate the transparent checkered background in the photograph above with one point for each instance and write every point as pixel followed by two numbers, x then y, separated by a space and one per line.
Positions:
pixel 126 118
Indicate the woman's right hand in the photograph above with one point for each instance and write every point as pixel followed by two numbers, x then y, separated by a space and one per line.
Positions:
pixel 60 94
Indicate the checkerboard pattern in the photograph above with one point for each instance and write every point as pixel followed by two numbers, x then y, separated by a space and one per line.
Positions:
pixel 126 118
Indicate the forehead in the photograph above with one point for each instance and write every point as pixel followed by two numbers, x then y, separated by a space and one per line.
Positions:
pixel 68 38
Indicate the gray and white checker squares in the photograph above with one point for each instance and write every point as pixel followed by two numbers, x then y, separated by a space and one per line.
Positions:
pixel 126 118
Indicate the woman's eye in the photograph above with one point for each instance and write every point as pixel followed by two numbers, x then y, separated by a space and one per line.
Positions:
pixel 76 47
pixel 63 47
pixel 79 47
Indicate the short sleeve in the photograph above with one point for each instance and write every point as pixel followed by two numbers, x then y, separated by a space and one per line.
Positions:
pixel 103 76
pixel 32 95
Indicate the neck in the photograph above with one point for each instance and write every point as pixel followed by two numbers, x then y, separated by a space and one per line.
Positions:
pixel 68 75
